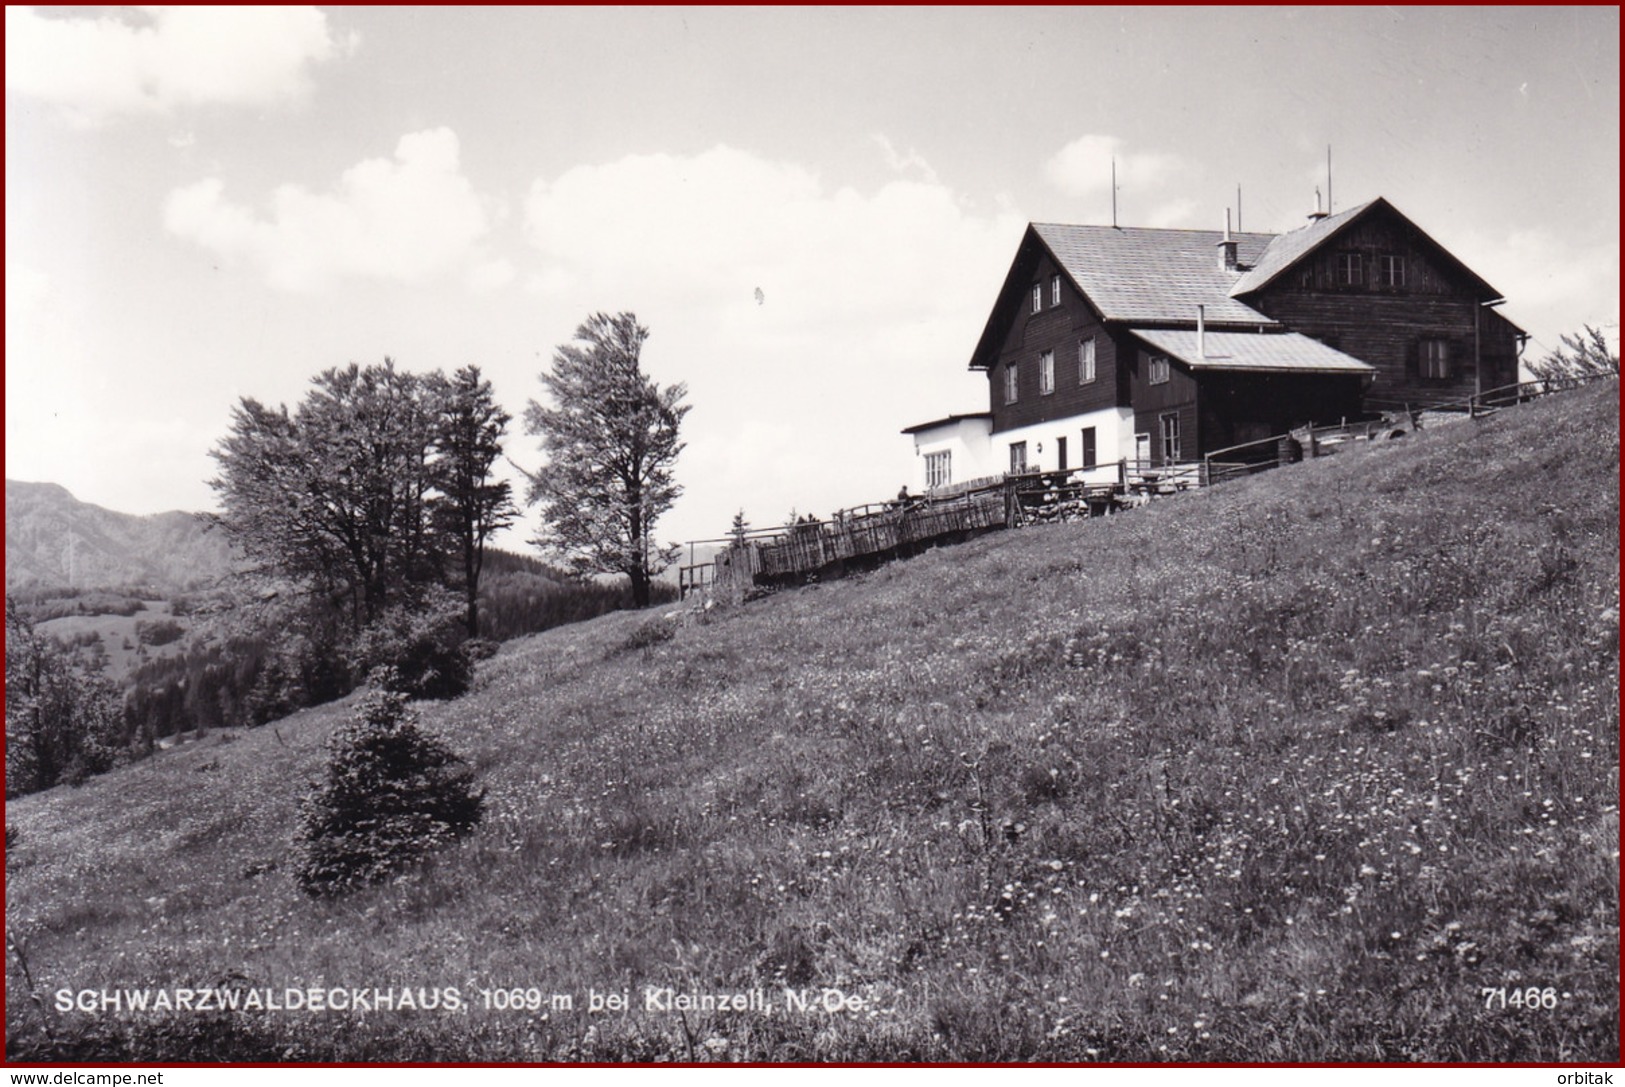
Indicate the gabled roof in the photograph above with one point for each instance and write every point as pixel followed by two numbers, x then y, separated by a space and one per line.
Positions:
pixel 1255 352
pixel 1151 277
pixel 1147 275
pixel 1285 249
pixel 1138 274
pixel 1289 248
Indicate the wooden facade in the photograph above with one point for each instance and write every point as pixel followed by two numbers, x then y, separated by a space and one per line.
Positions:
pixel 1383 291
pixel 1366 283
pixel 1060 326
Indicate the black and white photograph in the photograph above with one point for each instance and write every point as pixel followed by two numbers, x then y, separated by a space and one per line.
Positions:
pixel 812 535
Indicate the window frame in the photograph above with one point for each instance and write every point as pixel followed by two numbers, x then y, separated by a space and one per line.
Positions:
pixel 1433 352
pixel 1018 457
pixel 1159 371
pixel 1012 382
pixel 1350 270
pixel 1046 372
pixel 1390 264
pixel 1087 451
pixel 939 464
pixel 1054 290
pixel 1086 361
pixel 1169 436
pixel 1038 298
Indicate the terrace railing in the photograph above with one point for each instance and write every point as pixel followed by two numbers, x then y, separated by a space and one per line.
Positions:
pixel 881 529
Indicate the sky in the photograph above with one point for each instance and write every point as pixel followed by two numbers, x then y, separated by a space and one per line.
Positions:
pixel 811 210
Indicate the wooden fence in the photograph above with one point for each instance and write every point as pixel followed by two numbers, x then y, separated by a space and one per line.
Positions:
pixel 877 531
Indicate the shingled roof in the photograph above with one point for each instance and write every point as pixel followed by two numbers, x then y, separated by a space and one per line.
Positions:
pixel 1285 249
pixel 1267 352
pixel 1146 275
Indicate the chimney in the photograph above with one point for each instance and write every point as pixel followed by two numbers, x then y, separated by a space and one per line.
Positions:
pixel 1201 331
pixel 1227 247
pixel 1317 215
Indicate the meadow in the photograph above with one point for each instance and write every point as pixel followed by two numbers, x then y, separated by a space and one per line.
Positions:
pixel 1317 766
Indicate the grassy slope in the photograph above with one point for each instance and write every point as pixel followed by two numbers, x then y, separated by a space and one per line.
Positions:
pixel 117 631
pixel 1290 769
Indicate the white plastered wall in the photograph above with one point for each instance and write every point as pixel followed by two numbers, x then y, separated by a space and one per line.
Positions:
pixel 1114 441
pixel 966 442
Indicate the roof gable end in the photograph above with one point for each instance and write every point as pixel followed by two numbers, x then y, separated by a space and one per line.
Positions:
pixel 1128 274
pixel 1290 249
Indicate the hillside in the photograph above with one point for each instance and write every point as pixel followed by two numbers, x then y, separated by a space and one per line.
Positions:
pixel 53 540
pixel 1292 769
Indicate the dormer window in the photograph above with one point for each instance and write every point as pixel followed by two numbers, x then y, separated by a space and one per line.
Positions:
pixel 1055 290
pixel 1038 297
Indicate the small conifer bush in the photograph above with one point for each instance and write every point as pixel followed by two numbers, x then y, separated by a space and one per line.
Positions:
pixel 392 793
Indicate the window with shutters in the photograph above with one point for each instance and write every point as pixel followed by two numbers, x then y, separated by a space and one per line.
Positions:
pixel 1434 360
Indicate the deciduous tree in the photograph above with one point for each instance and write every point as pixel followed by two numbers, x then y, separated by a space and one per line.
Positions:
pixel 63 721
pixel 611 439
pixel 337 493
pixel 472 505
pixel 1585 354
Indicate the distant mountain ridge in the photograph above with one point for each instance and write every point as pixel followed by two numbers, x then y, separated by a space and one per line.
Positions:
pixel 53 540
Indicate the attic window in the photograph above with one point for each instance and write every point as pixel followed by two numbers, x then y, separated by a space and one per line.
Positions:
pixel 1038 297
pixel 1392 269
pixel 1010 378
pixel 1157 373
pixel 1349 270
pixel 1055 290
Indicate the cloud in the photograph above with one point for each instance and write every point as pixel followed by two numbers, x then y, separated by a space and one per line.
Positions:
pixel 1175 213
pixel 872 302
pixel 1084 166
pixel 1553 286
pixel 408 218
pixel 94 69
pixel 902 163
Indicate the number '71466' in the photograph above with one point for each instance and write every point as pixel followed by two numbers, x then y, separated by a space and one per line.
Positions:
pixel 1529 998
